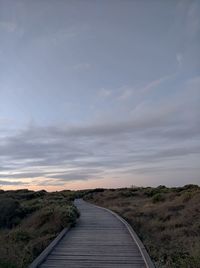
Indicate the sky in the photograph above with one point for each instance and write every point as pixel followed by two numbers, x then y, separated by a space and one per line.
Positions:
pixel 99 93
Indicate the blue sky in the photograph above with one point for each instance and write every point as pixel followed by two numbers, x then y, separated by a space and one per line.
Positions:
pixel 99 93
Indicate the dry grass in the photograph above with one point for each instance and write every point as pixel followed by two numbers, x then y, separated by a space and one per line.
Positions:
pixel 166 219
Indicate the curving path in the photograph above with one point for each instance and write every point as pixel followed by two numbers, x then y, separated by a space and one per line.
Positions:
pixel 99 240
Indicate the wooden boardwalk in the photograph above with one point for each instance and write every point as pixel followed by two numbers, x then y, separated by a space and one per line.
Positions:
pixel 99 240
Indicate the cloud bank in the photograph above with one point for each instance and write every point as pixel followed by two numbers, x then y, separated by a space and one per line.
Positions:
pixel 157 140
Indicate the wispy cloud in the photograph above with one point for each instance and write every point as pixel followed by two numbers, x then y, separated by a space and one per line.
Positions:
pixel 8 182
pixel 128 92
pixel 82 66
pixel 125 94
pixel 8 26
pixel 179 58
pixel 153 84
pixel 105 93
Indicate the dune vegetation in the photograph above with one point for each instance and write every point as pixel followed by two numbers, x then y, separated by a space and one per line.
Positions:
pixel 166 219
pixel 29 221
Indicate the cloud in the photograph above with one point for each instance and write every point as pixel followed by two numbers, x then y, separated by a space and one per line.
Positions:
pixel 8 26
pixel 105 93
pixel 178 151
pixel 153 84
pixel 82 66
pixel 22 175
pixel 129 93
pixel 126 94
pixel 4 182
pixel 179 58
pixel 56 178
pixel 161 132
pixel 85 153
pixel 159 169
pixel 51 182
pixel 74 176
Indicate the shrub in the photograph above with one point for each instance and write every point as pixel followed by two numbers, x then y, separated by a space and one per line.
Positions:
pixel 20 235
pixel 158 198
pixel 190 187
pixel 126 193
pixel 10 212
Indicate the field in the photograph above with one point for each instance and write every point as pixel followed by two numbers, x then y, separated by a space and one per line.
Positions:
pixel 29 221
pixel 166 219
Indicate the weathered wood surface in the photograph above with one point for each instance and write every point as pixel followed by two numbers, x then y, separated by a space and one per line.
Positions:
pixel 99 240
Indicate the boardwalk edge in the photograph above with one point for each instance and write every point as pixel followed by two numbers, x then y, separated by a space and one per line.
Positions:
pixel 43 255
pixel 142 249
